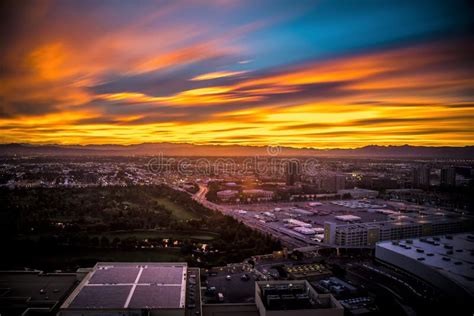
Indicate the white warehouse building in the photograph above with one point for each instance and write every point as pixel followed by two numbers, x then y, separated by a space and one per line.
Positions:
pixel 296 222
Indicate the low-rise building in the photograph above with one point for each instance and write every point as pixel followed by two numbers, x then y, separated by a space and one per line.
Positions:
pixel 304 230
pixel 131 289
pixel 337 287
pixel 295 222
pixel 226 195
pixel 258 193
pixel 310 271
pixel 34 292
pixel 280 298
pixel 348 218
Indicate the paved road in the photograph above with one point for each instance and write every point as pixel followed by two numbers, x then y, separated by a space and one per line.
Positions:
pixel 201 194
pixel 200 197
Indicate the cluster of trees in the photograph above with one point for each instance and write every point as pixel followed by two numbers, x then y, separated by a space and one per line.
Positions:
pixel 55 218
pixel 95 209
pixel 213 187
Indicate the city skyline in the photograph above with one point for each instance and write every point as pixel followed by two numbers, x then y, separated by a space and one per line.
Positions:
pixel 306 74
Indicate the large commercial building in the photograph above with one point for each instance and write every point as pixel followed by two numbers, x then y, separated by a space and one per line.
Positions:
pixel 132 289
pixel 368 234
pixel 446 262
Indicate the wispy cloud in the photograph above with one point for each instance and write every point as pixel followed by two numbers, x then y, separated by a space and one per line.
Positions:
pixel 217 75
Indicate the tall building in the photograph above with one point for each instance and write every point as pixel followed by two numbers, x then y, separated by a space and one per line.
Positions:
pixel 333 182
pixel 421 176
pixel 292 172
pixel 340 182
pixel 448 177
pixel 328 183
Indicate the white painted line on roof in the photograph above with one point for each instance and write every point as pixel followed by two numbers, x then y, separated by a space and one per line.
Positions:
pixel 132 290
pixel 183 288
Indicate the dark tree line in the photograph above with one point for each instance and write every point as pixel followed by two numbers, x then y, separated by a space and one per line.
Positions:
pixel 80 218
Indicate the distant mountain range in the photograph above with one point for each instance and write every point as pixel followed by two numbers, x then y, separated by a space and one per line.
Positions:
pixel 172 149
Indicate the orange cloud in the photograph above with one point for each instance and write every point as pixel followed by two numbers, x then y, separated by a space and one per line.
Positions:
pixel 218 74
pixel 178 57
pixel 405 95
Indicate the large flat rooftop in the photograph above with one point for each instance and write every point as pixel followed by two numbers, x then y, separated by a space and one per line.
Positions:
pixel 22 290
pixel 451 255
pixel 272 217
pixel 132 286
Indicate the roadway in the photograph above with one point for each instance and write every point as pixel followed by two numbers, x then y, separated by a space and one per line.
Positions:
pixel 200 197
pixel 288 241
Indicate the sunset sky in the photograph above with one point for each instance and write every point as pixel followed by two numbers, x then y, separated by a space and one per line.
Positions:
pixel 295 73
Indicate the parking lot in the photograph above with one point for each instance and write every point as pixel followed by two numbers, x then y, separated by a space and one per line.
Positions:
pixel 272 218
pixel 233 289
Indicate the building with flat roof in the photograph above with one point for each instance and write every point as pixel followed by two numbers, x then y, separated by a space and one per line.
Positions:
pixel 34 292
pixel 348 218
pixel 369 233
pixel 271 298
pixel 295 222
pixel 227 194
pixel 310 271
pixel 446 262
pixel 258 193
pixel 130 289
pixel 337 287
pixel 304 230
pixel 280 298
